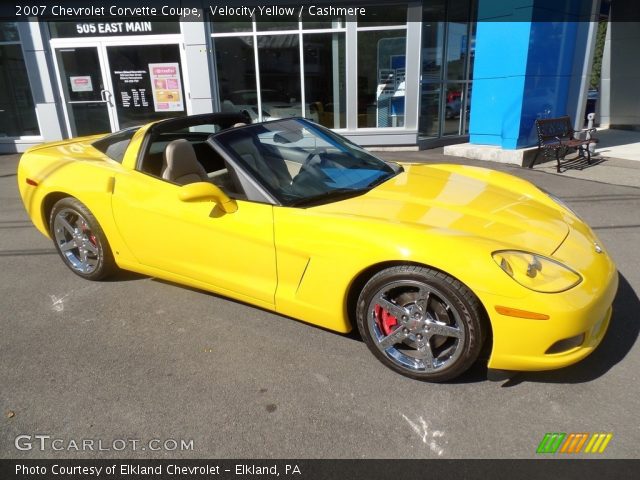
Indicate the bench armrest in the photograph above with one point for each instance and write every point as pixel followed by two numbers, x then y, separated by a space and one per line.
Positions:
pixel 584 131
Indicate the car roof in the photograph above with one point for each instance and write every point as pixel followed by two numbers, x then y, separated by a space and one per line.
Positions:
pixel 224 119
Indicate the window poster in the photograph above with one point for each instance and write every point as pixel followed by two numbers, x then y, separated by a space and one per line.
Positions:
pixel 132 86
pixel 81 83
pixel 166 87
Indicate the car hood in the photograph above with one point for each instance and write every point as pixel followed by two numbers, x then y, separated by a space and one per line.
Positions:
pixel 461 200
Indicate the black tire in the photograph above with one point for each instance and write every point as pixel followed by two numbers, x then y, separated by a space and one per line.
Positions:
pixel 439 326
pixel 80 240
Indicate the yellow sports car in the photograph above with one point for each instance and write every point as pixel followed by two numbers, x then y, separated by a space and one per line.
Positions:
pixel 430 262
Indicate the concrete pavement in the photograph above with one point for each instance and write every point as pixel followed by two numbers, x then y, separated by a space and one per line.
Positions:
pixel 618 150
pixel 622 144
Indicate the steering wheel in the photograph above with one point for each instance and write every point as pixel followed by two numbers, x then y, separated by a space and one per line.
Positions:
pixel 310 174
pixel 317 152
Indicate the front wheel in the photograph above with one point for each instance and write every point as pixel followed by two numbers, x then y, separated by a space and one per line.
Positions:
pixel 421 322
pixel 80 240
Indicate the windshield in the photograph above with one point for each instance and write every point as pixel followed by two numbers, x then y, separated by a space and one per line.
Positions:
pixel 301 163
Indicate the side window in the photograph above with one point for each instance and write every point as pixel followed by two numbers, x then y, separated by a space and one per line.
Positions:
pixel 184 156
pixel 152 162
pixel 228 181
pixel 114 146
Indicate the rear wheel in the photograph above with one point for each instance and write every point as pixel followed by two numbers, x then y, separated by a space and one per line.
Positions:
pixel 80 240
pixel 421 322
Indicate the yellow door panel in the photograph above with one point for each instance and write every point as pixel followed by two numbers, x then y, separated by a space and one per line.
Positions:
pixel 231 251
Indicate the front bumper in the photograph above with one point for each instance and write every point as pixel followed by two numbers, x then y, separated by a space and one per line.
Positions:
pixel 579 317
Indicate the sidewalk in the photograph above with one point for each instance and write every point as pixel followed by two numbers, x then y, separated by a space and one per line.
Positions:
pixel 616 171
pixel 616 160
pixel 623 144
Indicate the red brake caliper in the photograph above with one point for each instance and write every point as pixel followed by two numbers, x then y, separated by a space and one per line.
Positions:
pixel 92 237
pixel 386 322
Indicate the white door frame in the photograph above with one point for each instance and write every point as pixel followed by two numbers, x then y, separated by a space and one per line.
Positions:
pixel 101 43
pixel 105 82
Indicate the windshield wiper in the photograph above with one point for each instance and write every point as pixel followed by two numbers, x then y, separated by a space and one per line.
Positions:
pixel 380 180
pixel 331 195
pixel 342 193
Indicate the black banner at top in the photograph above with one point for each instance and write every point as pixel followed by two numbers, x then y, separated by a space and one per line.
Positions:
pixel 362 11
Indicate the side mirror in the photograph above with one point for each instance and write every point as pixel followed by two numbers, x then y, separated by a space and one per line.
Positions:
pixel 288 136
pixel 207 192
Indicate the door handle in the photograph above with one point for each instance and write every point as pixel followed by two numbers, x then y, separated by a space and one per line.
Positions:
pixel 106 97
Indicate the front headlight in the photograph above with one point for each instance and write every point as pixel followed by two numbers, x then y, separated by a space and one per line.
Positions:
pixel 536 272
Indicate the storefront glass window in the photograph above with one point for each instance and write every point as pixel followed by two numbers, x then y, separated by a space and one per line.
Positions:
pixel 457 40
pixel 236 74
pixel 447 63
pixel 467 109
pixel 430 109
pixel 311 21
pixel 458 45
pixel 227 27
pixel 273 23
pixel 288 68
pixel 147 82
pixel 453 108
pixel 279 63
pixel 384 16
pixel 381 78
pixel 17 110
pixel 472 49
pixel 433 41
pixel 9 32
pixel 324 78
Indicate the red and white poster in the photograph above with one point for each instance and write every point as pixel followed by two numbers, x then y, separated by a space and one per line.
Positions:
pixel 166 87
pixel 81 84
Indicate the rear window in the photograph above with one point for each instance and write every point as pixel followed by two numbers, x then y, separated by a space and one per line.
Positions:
pixel 114 145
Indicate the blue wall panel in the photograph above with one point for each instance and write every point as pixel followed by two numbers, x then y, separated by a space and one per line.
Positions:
pixel 499 75
pixel 522 68
pixel 549 69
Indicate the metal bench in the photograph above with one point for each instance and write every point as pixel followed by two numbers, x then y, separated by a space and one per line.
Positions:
pixel 557 138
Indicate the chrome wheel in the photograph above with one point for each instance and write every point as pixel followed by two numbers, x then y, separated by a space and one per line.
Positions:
pixel 415 326
pixel 76 241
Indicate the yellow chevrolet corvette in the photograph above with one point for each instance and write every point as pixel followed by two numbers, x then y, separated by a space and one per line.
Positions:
pixel 430 262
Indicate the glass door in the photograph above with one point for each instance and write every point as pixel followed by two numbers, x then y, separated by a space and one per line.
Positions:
pixel 448 49
pixel 147 82
pixel 84 87
pixel 108 86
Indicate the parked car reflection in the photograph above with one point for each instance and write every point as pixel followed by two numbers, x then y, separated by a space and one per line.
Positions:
pixel 275 105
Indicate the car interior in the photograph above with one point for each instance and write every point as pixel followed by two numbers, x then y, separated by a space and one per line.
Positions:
pixel 280 163
pixel 178 152
pixel 266 162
